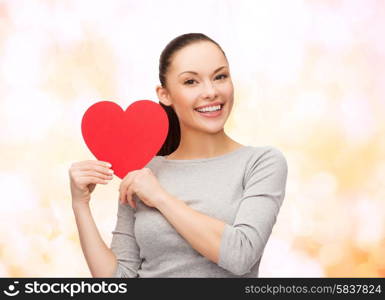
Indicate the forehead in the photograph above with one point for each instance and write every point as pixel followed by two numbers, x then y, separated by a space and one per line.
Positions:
pixel 199 56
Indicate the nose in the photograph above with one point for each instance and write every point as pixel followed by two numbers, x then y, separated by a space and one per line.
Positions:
pixel 209 91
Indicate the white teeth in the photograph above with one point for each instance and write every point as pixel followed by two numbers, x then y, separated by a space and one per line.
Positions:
pixel 210 108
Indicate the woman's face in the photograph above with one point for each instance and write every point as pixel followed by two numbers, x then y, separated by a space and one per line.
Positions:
pixel 199 75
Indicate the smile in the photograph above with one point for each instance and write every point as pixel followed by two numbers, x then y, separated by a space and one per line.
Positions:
pixel 211 112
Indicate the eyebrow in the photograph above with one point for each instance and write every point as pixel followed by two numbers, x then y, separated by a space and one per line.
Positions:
pixel 197 73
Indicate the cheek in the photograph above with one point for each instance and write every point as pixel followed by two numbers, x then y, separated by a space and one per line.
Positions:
pixel 188 96
pixel 184 105
pixel 228 90
pixel 186 99
pixel 183 95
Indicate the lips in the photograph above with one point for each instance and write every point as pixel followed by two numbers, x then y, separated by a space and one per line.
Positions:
pixel 211 104
pixel 211 114
pixel 221 107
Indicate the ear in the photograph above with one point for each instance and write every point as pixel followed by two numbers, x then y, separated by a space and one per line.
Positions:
pixel 163 95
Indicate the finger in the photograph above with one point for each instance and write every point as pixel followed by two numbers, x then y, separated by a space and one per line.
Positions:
pixel 130 175
pixel 96 168
pixel 90 179
pixel 120 197
pixel 125 183
pixel 101 163
pixel 96 162
pixel 122 194
pixel 129 197
pixel 103 170
pixel 104 163
pixel 133 203
pixel 96 174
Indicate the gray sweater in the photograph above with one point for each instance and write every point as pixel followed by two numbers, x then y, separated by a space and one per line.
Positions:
pixel 244 188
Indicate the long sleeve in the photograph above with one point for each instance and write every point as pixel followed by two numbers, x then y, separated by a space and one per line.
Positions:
pixel 243 242
pixel 124 244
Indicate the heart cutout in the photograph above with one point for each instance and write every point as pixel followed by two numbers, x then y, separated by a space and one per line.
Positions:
pixel 127 139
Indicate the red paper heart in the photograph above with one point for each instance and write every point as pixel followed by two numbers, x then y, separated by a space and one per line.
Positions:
pixel 127 139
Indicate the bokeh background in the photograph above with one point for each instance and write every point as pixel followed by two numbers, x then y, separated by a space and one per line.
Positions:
pixel 309 79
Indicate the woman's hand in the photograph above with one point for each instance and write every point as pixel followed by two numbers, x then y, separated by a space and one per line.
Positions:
pixel 144 184
pixel 84 175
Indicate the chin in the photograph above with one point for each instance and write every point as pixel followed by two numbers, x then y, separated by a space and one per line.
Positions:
pixel 213 129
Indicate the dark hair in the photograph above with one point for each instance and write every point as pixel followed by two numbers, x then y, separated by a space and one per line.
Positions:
pixel 173 137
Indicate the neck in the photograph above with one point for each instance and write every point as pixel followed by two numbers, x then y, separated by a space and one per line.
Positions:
pixel 196 145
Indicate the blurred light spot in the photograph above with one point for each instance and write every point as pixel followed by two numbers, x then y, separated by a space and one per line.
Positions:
pixel 279 260
pixel 331 28
pixel 331 254
pixel 309 107
pixel 18 193
pixel 369 222
pixel 357 118
pixel 323 182
pixel 30 115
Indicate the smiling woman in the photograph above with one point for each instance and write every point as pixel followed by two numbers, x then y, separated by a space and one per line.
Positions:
pixel 205 205
pixel 197 93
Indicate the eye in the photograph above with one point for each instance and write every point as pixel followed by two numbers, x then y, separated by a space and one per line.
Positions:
pixel 224 76
pixel 190 80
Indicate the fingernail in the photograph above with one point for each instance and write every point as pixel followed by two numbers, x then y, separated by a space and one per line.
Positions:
pixel 111 171
pixel 108 164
